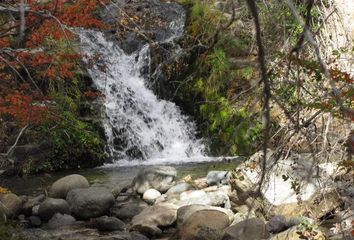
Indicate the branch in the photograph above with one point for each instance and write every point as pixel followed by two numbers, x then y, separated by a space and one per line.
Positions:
pixel 266 89
pixel 17 139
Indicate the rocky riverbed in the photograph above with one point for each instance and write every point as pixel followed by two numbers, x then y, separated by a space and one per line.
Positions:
pixel 157 204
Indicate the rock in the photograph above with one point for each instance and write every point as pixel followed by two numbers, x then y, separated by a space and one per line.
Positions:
pixel 35 210
pixel 91 202
pixel 160 178
pixel 322 204
pixel 34 221
pixel 201 197
pixel 278 187
pixel 61 187
pixel 253 228
pixel 30 203
pixel 277 224
pixel 294 234
pixel 10 204
pixel 128 210
pixel 183 213
pixel 179 188
pixel 202 223
pixel 217 178
pixel 60 220
pixel 151 195
pixel 106 223
pixel 152 218
pixel 52 206
pixel 201 183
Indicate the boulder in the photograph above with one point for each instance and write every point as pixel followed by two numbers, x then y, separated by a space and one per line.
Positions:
pixel 151 195
pixel 159 178
pixel 152 218
pixel 183 213
pixel 278 187
pixel 127 210
pixel 217 178
pixel 61 187
pixel 34 222
pixel 200 183
pixel 179 188
pixel 51 206
pixel 91 202
pixel 60 220
pixel 253 228
pixel 203 223
pixel 106 223
pixel 30 203
pixel 10 204
pixel 323 203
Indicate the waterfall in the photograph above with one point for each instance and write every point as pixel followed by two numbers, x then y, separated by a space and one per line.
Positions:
pixel 138 125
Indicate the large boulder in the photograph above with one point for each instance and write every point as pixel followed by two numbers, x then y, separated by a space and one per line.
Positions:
pixel 127 210
pixel 10 204
pixel 159 178
pixel 51 206
pixel 61 187
pixel 253 228
pixel 152 218
pixel 203 224
pixel 285 181
pixel 91 202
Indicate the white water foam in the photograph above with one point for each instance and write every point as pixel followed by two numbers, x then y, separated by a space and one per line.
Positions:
pixel 138 125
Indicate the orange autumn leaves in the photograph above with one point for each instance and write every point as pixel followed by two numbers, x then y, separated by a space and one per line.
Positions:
pixel 48 57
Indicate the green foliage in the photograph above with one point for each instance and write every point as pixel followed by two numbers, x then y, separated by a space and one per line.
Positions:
pixel 74 143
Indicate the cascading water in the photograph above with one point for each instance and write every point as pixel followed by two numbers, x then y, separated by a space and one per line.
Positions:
pixel 138 125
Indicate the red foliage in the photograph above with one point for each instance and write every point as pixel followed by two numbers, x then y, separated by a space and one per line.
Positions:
pixel 48 25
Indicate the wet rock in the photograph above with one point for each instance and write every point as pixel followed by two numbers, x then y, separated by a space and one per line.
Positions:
pixel 61 187
pixel 253 228
pixel 51 206
pixel 106 223
pixel 160 178
pixel 30 203
pixel 60 220
pixel 91 202
pixel 179 188
pixel 152 218
pixel 203 223
pixel 116 191
pixel 127 210
pixel 217 178
pixel 153 18
pixel 151 195
pixel 10 204
pixel 34 221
